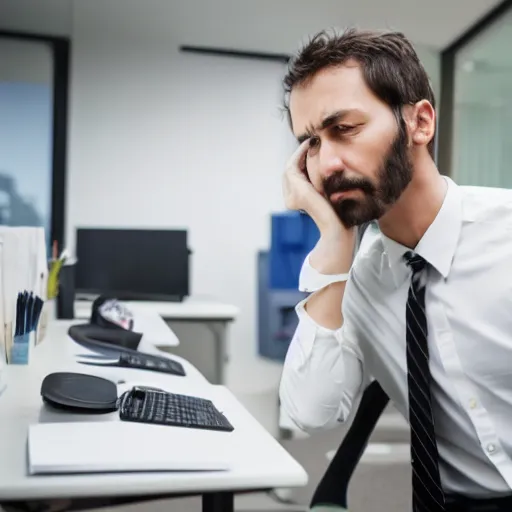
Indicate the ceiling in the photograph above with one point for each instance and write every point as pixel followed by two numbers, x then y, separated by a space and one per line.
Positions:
pixel 263 25
pixel 484 68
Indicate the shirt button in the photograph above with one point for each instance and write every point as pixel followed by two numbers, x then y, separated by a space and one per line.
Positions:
pixel 472 403
pixel 491 448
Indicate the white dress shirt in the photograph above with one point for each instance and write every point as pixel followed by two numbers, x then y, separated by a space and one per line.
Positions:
pixel 469 309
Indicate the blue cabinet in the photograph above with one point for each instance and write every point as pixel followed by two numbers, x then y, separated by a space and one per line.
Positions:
pixel 277 319
pixel 293 236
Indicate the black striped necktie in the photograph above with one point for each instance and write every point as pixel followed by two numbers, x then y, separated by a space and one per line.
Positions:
pixel 428 495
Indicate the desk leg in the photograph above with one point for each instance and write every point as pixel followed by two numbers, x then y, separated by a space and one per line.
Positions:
pixel 219 333
pixel 219 502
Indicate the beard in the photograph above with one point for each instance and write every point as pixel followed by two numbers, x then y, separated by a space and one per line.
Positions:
pixel 392 179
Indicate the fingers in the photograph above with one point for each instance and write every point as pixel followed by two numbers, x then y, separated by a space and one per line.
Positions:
pixel 298 158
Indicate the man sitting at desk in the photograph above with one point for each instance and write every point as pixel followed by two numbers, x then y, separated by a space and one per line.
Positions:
pixel 427 309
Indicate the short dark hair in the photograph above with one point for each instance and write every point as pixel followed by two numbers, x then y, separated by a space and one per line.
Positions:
pixel 390 66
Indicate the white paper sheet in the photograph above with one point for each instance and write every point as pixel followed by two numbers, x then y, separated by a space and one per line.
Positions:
pixel 120 446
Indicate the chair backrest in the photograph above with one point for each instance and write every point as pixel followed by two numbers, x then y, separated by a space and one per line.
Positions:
pixel 333 487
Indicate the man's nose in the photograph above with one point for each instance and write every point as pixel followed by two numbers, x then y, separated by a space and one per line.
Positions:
pixel 330 160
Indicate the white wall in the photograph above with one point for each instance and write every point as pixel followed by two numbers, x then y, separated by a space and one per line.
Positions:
pixel 159 138
pixel 41 17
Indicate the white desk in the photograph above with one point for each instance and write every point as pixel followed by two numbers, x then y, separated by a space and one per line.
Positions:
pixel 213 315
pixel 189 309
pixel 259 461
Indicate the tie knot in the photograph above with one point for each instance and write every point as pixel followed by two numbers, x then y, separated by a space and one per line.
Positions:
pixel 415 261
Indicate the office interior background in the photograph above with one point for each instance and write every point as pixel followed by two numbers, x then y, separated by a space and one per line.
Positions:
pixel 106 120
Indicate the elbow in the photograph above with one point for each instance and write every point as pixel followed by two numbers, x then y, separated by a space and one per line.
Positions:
pixel 310 418
pixel 311 424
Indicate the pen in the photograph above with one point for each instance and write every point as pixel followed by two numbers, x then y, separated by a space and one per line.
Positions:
pixel 26 312
pixel 64 255
pixel 53 276
pixel 22 313
pixel 19 313
pixel 32 301
pixel 38 307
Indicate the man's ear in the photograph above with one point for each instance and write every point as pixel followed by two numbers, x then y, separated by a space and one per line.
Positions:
pixel 423 123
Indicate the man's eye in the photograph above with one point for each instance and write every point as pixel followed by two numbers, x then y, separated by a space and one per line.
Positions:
pixel 313 142
pixel 345 128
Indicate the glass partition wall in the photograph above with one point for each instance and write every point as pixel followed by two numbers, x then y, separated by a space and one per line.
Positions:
pixel 477 97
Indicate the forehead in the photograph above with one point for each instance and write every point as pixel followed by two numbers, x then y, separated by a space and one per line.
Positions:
pixel 330 90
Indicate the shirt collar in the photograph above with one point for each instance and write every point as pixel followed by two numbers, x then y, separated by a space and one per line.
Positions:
pixel 438 244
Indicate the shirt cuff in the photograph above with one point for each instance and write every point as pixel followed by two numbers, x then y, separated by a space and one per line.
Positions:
pixel 310 280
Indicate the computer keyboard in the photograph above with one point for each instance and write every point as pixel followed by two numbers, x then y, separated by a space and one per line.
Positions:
pixel 153 363
pixel 147 405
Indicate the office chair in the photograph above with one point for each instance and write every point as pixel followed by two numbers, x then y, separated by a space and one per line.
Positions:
pixel 331 493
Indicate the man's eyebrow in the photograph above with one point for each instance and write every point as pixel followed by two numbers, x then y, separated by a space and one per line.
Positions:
pixel 334 118
pixel 303 137
pixel 328 121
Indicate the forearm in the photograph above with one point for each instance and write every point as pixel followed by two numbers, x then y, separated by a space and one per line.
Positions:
pixel 321 378
pixel 332 254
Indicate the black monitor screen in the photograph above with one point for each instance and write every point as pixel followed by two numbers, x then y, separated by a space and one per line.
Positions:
pixel 133 264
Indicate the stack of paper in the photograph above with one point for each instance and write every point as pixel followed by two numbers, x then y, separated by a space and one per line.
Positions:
pixel 118 446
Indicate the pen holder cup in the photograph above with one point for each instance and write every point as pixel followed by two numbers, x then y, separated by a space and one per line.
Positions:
pixel 66 295
pixel 21 348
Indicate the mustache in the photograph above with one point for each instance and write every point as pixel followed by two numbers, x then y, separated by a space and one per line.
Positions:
pixel 338 182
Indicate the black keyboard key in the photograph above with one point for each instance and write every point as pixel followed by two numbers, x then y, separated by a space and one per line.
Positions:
pixel 158 407
pixel 152 363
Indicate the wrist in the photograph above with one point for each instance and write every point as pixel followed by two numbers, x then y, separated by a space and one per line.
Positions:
pixel 323 215
pixel 333 252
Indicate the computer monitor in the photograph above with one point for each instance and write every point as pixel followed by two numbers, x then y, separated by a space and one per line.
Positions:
pixel 132 264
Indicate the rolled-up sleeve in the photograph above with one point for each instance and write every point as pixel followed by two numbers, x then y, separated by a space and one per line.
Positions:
pixel 323 370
